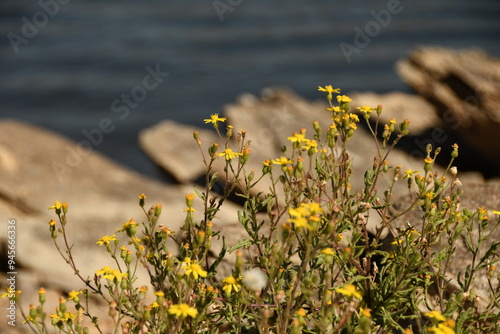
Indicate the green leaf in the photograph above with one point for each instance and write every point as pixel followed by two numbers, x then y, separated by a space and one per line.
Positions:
pixel 241 244
pixel 491 251
pixel 222 253
pixel 213 179
pixel 199 194
pixel 462 316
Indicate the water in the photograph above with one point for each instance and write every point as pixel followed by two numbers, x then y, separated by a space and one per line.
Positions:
pixel 67 76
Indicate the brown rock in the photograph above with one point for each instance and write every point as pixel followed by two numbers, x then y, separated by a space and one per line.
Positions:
pixel 400 106
pixel 463 87
pixel 172 147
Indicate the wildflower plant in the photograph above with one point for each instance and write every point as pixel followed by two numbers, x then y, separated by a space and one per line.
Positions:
pixel 308 263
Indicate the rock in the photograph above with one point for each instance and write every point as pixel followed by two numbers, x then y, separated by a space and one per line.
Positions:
pixel 268 121
pixel 172 147
pixel 37 168
pixel 400 106
pixel 464 87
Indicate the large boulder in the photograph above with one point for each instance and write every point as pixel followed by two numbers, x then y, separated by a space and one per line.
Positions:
pixel 464 87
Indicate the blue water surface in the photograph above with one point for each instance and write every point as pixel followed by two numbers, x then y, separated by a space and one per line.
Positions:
pixel 84 55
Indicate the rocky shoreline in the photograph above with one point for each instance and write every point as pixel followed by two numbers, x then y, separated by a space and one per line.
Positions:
pixel 38 167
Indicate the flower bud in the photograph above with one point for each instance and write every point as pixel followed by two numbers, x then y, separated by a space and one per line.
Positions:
pixel 317 128
pixel 379 109
pixel 385 166
pixel 245 156
pixel 64 207
pixel 158 210
pixel 147 313
pixel 62 304
pixel 213 149
pixel 32 312
pixel 453 170
pixel 112 309
pixel 428 164
pixel 209 230
pixel 229 131
pixel 196 135
pixel 200 237
pixel 159 297
pixel 403 127
pixel 142 197
pixel 454 153
pixel 251 175
pixel 41 295
pixel 189 200
pixel 300 164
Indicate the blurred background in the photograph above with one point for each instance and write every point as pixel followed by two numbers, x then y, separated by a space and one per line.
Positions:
pixel 84 56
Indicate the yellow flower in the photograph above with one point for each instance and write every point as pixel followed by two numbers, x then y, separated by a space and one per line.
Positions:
pixel 300 222
pixel 435 315
pixel 214 119
pixel 304 213
pixel 310 144
pixel 327 251
pixel 495 212
pixel 365 311
pixel 111 274
pixel 57 206
pixel 301 312
pixel 66 316
pixel 142 196
pixel 282 161
pixel 329 89
pixel 192 268
pixel 353 118
pixel 229 154
pixel 231 283
pixel 349 290
pixel 182 311
pixel 41 291
pixel 106 240
pixel 343 99
pixel 73 295
pixel 397 242
pixel 408 173
pixel 441 329
pixel 334 109
pixel 428 160
pixel 297 137
pixel 366 109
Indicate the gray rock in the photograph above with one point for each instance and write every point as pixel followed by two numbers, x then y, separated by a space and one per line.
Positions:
pixel 464 87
